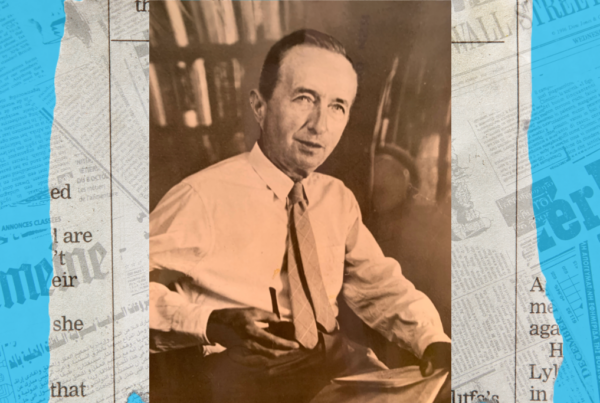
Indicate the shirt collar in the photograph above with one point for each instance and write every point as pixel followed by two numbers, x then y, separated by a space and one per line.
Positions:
pixel 276 180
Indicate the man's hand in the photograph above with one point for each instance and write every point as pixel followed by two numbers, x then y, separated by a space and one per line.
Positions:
pixel 247 343
pixel 436 355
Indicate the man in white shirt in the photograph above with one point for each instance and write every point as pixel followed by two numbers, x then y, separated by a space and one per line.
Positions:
pixel 225 236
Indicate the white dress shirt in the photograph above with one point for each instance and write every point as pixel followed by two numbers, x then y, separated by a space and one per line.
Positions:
pixel 222 233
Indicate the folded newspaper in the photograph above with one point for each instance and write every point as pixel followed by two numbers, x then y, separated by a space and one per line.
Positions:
pixel 392 378
pixel 402 384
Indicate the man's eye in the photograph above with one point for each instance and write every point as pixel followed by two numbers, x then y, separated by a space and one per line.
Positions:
pixel 338 108
pixel 304 99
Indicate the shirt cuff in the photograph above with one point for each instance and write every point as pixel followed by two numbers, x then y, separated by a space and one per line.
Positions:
pixel 192 319
pixel 424 341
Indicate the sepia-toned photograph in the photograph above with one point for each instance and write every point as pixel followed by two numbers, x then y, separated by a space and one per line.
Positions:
pixel 300 201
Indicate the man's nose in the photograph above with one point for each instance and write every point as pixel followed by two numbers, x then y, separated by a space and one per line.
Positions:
pixel 318 120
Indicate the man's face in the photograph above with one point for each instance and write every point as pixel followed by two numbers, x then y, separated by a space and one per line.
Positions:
pixel 309 109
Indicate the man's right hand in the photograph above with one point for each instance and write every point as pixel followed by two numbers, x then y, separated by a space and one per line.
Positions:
pixel 248 344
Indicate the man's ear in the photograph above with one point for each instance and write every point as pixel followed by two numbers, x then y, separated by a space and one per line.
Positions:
pixel 259 106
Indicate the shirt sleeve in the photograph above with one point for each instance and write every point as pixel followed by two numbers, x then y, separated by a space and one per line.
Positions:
pixel 180 236
pixel 377 291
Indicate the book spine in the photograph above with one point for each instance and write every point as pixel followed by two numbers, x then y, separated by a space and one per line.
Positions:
pixel 230 33
pixel 176 19
pixel 195 12
pixel 247 21
pixel 238 77
pixel 220 80
pixel 258 16
pixel 211 20
pixel 286 15
pixel 185 93
pixel 272 20
pixel 157 107
pixel 200 89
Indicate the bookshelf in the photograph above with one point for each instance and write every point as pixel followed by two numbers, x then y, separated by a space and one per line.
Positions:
pixel 202 53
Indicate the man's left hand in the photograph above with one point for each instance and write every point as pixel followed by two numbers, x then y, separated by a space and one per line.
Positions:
pixel 436 355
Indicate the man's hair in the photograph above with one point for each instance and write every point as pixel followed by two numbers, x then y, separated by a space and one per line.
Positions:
pixel 270 70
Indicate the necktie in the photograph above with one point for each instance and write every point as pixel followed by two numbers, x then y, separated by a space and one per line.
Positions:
pixel 308 297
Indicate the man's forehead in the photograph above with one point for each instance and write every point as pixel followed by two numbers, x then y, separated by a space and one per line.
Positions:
pixel 321 70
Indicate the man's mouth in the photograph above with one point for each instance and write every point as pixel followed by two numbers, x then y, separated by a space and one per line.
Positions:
pixel 309 143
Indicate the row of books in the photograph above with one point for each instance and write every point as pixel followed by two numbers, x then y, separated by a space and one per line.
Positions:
pixel 195 94
pixel 223 22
